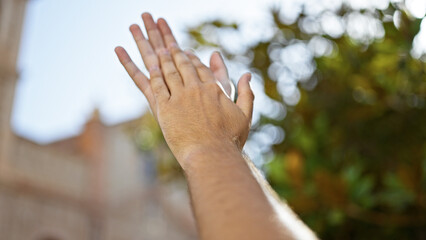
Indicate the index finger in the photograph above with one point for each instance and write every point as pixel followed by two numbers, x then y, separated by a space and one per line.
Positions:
pixel 137 76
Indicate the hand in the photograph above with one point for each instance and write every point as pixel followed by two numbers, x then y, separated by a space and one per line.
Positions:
pixel 190 107
pixel 148 49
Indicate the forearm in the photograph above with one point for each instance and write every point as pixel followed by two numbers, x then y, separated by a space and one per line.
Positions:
pixel 230 202
pixel 230 198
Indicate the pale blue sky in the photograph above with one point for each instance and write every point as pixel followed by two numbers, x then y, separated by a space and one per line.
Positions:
pixel 68 66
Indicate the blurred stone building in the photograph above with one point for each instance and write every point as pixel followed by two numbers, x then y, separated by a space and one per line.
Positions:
pixel 93 186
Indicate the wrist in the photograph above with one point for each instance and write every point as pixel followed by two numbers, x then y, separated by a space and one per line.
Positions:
pixel 205 155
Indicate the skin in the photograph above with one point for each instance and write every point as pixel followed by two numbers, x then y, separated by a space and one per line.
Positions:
pixel 206 132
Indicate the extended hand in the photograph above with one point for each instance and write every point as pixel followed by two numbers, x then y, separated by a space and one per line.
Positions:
pixel 206 131
pixel 192 111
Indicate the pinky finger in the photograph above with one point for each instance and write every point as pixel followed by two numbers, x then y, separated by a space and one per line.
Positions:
pixel 137 76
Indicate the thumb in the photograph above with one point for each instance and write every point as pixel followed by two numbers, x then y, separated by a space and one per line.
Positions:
pixel 245 95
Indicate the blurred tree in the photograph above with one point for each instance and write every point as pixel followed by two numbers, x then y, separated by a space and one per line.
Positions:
pixel 353 162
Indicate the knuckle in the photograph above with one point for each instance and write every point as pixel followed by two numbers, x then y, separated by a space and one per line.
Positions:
pixel 172 75
pixel 206 76
pixel 212 85
pixel 144 42
pixel 152 31
pixel 193 88
pixel 155 81
pixel 184 64
pixel 127 64
pixel 154 72
pixel 174 50
pixel 163 52
pixel 157 90
pixel 192 58
pixel 137 75
pixel 205 70
pixel 150 53
pixel 160 93
pixel 197 65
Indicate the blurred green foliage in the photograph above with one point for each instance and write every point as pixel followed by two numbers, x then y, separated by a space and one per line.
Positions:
pixel 353 161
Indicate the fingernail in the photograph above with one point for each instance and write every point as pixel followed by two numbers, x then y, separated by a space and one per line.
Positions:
pixel 173 45
pixel 249 77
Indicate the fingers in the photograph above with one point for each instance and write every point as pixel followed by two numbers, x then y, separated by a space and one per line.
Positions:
pixel 166 32
pixel 220 72
pixel 138 77
pixel 171 74
pixel 203 71
pixel 159 87
pixel 148 54
pixel 184 65
pixel 245 96
pixel 182 62
pixel 154 34
pixel 154 52
pixel 218 66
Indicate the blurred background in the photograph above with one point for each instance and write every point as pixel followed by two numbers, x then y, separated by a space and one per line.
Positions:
pixel 338 129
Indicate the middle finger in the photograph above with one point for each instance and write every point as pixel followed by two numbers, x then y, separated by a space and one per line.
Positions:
pixel 154 34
